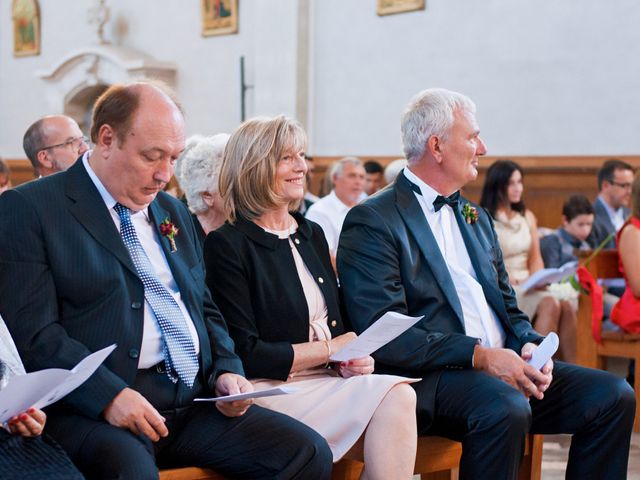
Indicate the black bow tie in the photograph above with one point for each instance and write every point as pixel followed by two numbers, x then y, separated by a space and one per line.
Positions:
pixel 451 200
pixel 440 201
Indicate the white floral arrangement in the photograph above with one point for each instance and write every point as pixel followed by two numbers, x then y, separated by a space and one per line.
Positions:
pixel 563 291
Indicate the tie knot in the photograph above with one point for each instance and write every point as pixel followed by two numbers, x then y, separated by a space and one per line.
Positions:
pixel 123 212
pixel 451 200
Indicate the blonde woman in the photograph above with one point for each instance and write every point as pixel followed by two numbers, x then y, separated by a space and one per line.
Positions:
pixel 270 273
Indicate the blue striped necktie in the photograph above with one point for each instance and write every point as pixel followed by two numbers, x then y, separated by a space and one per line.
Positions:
pixel 178 349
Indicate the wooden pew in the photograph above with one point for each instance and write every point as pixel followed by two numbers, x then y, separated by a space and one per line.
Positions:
pixel 614 344
pixel 437 459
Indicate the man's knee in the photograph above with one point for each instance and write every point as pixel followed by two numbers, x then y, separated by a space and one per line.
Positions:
pixel 319 459
pixel 509 410
pixel 116 454
pixel 620 395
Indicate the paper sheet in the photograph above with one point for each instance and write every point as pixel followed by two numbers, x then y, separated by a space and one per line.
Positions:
pixel 44 387
pixel 549 275
pixel 386 328
pixel 269 392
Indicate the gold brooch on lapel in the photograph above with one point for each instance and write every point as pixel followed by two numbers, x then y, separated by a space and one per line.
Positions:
pixel 169 230
pixel 470 213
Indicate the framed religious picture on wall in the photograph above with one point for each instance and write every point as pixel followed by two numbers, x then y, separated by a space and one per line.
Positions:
pixel 387 7
pixel 219 17
pixel 26 27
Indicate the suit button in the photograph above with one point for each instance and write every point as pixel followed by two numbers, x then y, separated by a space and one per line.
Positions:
pixel 296 241
pixel 333 323
pixel 136 305
pixel 133 353
pixel 320 280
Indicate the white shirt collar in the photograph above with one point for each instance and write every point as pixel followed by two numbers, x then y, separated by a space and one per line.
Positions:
pixel 428 193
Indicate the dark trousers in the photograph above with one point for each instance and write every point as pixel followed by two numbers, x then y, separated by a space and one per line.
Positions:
pixel 491 419
pixel 259 444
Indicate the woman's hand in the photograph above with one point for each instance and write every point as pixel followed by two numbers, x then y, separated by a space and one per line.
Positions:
pixel 339 342
pixel 359 366
pixel 28 424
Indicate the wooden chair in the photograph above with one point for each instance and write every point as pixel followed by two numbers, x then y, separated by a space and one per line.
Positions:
pixel 437 459
pixel 614 344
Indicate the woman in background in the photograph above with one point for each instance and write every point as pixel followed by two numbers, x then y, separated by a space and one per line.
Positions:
pixel 270 274
pixel 24 454
pixel 517 231
pixel 197 172
pixel 626 313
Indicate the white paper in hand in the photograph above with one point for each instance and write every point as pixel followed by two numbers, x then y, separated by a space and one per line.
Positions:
pixel 546 276
pixel 386 328
pixel 545 351
pixel 44 387
pixel 268 392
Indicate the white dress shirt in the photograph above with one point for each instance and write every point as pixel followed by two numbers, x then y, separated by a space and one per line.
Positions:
pixel 480 321
pixel 151 350
pixel 329 212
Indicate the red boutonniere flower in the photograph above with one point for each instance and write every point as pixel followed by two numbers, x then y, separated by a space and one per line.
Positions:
pixel 169 230
pixel 470 213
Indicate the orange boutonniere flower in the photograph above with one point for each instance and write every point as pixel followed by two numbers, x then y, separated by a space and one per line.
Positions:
pixel 169 230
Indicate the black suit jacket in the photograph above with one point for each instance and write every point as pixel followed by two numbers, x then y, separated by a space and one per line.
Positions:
pixel 68 286
pixel 388 260
pixel 253 278
pixel 602 226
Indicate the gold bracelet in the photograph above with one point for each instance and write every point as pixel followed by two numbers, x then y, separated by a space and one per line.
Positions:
pixel 328 345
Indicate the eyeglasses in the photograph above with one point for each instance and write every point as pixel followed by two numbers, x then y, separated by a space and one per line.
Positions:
pixel 74 143
pixel 624 186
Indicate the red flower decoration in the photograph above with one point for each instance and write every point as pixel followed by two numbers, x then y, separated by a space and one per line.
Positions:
pixel 169 230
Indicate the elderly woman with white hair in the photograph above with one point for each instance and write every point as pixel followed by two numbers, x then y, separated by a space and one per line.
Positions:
pixel 197 173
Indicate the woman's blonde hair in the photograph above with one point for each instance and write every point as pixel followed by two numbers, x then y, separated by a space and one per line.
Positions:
pixel 247 182
pixel 635 196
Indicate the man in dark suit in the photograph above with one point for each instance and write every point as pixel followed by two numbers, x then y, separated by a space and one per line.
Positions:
pixel 97 259
pixel 611 207
pixel 420 249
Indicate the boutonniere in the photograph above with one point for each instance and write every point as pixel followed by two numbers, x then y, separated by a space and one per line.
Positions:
pixel 169 230
pixel 470 213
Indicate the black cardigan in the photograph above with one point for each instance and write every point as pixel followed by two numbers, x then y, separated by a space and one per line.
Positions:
pixel 253 279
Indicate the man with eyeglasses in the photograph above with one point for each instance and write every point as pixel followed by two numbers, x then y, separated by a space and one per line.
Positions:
pixel 53 144
pixel 612 204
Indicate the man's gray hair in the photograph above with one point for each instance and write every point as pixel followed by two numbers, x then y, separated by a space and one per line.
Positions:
pixel 198 168
pixel 429 113
pixel 338 167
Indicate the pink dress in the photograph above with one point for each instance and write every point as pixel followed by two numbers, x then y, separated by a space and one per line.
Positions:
pixel 626 313
pixel 337 408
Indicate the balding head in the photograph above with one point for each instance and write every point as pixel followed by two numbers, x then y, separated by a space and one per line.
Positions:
pixel 138 132
pixel 118 104
pixel 53 143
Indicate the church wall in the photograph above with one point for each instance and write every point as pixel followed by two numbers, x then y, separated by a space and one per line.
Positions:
pixel 549 78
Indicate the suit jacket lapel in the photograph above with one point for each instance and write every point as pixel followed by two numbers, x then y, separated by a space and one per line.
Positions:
pixel 415 220
pixel 89 209
pixel 485 273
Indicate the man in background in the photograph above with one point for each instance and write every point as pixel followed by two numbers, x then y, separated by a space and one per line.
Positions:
pixel 612 204
pixel 53 144
pixel 348 177
pixel 374 177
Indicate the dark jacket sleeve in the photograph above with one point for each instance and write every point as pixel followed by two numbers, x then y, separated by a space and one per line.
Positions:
pixel 369 268
pixel 228 278
pixel 29 305
pixel 551 250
